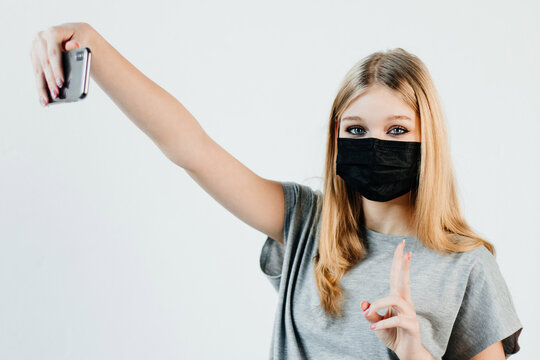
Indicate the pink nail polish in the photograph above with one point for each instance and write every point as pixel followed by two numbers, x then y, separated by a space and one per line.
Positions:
pixel 364 305
pixel 372 326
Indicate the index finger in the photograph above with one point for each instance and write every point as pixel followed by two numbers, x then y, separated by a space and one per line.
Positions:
pixel 40 80
pixel 405 280
pixel 54 52
pixel 396 269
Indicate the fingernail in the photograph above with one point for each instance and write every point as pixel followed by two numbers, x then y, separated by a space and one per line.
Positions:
pixel 59 81
pixel 366 312
pixel 410 255
pixel 372 326
pixel 42 101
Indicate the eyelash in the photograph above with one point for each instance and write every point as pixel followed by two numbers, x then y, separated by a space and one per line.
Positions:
pixel 359 127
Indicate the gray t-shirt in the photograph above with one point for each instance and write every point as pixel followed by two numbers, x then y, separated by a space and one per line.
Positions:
pixel 462 302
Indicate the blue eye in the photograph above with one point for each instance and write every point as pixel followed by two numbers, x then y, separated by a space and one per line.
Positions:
pixel 353 127
pixel 400 128
pixel 403 130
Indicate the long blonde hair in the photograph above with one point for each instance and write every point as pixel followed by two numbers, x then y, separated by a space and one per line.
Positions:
pixel 437 218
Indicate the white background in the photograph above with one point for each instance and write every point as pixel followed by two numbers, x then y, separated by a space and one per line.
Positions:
pixel 108 250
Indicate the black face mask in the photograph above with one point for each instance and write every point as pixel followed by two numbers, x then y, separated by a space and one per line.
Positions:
pixel 380 170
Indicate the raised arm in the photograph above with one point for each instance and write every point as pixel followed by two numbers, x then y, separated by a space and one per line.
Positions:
pixel 257 201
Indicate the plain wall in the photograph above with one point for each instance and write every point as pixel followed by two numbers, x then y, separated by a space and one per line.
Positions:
pixel 108 250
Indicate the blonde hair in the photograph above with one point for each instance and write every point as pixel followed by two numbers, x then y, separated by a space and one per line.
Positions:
pixel 437 218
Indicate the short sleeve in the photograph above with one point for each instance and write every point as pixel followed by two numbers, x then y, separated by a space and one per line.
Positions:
pixel 487 313
pixel 298 202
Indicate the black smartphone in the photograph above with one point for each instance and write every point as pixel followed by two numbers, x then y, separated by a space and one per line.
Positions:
pixel 76 65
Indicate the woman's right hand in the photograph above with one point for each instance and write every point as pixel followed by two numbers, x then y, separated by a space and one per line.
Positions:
pixel 46 55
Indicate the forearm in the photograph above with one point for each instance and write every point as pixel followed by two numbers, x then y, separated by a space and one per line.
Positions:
pixel 157 113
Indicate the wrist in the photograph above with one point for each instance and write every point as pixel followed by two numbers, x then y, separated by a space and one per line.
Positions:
pixel 425 354
pixel 100 49
pixel 87 35
pixel 422 354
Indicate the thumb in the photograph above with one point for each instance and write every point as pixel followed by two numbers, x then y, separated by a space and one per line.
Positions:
pixel 373 316
pixel 70 45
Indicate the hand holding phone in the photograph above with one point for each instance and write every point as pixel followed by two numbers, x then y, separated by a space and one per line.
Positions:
pixel 61 67
pixel 76 66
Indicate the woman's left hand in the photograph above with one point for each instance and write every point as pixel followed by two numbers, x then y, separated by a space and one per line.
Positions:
pixel 398 329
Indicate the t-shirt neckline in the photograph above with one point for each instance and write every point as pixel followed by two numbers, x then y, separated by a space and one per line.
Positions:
pixel 377 235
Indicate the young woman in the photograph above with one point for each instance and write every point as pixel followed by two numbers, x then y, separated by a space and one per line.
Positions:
pixel 331 255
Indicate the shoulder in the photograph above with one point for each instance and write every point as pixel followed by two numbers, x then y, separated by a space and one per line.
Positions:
pixel 478 269
pixel 473 262
pixel 481 255
pixel 459 273
pixel 483 266
pixel 299 196
pixel 300 189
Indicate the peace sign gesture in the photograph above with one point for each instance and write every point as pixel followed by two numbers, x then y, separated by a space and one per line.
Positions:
pixel 398 329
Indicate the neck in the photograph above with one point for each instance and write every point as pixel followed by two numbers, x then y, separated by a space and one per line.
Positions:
pixel 394 217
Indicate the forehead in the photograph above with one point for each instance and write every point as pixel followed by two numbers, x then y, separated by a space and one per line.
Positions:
pixel 378 102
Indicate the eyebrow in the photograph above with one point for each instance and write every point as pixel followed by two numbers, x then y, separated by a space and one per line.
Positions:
pixel 393 117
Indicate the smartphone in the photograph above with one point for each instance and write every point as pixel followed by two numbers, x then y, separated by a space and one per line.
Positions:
pixel 76 65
